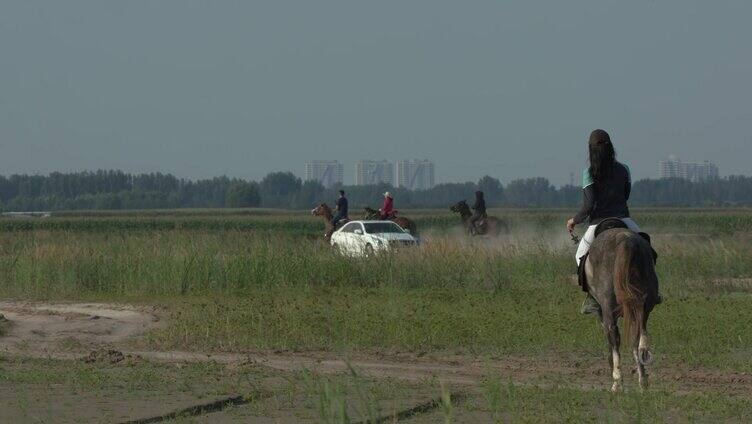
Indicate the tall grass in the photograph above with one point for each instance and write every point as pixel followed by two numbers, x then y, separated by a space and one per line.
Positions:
pixel 230 289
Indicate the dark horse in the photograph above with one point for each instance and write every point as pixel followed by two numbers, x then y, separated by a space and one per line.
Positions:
pixel 620 271
pixel 403 222
pixel 487 226
pixel 323 210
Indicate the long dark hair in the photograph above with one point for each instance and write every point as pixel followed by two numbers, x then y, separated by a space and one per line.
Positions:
pixel 602 156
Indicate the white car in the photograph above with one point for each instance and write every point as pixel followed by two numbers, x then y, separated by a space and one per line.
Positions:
pixel 364 238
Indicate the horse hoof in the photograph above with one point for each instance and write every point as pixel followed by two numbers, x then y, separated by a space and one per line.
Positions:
pixel 616 387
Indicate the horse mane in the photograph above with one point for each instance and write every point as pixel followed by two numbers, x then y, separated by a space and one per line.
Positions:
pixel 462 208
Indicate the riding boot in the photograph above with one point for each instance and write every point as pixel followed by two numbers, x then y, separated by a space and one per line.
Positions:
pixel 590 306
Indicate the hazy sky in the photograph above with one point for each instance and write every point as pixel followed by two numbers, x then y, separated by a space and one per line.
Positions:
pixel 506 88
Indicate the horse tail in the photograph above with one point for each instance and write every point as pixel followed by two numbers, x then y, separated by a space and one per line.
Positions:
pixel 630 286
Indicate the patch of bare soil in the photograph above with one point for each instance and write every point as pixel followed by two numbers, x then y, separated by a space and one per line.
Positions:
pixel 95 332
pixel 65 330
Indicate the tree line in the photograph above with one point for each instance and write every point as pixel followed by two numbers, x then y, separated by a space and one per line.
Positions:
pixel 120 190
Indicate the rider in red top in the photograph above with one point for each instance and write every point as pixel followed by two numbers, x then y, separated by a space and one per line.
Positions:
pixel 387 210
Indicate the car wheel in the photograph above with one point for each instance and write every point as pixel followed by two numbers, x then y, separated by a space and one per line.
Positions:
pixel 369 250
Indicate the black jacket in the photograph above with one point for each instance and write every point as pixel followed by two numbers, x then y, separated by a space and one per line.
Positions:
pixel 605 199
pixel 342 206
pixel 480 206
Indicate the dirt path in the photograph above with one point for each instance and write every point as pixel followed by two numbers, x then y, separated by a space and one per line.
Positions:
pixel 468 371
pixel 72 331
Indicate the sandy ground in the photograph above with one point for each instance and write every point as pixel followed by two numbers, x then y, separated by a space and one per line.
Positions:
pixel 67 330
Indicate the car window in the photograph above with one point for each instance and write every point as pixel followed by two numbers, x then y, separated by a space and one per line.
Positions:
pixel 351 227
pixel 383 227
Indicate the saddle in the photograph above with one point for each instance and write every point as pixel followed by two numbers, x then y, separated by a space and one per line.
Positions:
pixel 609 224
pixel 391 215
pixel 605 225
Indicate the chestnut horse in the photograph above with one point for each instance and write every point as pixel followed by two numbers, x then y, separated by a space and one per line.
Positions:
pixel 406 224
pixel 323 210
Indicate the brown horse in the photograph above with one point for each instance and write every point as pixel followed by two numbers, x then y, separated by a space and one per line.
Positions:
pixel 323 210
pixel 488 226
pixel 406 224
pixel 621 277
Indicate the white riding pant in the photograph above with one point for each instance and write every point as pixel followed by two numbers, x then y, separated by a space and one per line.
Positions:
pixel 589 236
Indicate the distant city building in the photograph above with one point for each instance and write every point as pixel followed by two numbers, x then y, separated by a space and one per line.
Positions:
pixel 415 174
pixel 328 172
pixel 692 171
pixel 371 172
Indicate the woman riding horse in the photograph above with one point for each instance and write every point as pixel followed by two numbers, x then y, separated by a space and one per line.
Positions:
pixel 387 209
pixel 606 185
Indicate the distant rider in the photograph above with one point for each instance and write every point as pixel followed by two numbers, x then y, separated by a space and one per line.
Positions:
pixel 479 208
pixel 606 186
pixel 387 209
pixel 341 211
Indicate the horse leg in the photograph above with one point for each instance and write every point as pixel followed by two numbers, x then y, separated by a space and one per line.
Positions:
pixel 641 352
pixel 641 373
pixel 328 232
pixel 608 320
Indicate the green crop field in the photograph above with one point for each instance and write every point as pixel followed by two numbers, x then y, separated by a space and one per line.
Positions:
pixel 502 311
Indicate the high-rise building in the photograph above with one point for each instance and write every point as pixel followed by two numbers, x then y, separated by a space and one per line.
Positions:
pixel 415 174
pixel 328 172
pixel 371 172
pixel 692 171
pixel 670 168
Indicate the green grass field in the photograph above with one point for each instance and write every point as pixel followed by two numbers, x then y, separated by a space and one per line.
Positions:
pixel 239 281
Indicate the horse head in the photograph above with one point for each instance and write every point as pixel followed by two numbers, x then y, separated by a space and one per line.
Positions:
pixel 460 207
pixel 321 210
